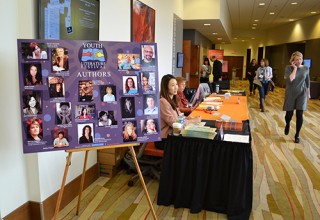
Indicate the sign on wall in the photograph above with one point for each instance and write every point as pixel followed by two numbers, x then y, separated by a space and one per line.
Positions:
pixel 85 94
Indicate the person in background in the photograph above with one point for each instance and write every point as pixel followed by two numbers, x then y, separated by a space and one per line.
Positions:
pixel 86 135
pixel 61 60
pixel 34 129
pixel 297 92
pixel 34 52
pixel 169 111
pixel 129 133
pixel 264 75
pixel 251 73
pixel 182 101
pixel 109 97
pixel 33 76
pixel 216 70
pixel 205 71
pixel 145 84
pixel 130 87
pixel 32 106
pixel 84 114
pixel 60 141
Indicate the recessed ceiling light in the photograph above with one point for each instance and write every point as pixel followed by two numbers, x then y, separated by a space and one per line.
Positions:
pixel 235 38
pixel 242 40
pixel 252 38
pixel 271 13
pixel 294 3
pixel 219 38
pixel 207 24
pixel 214 33
pixel 313 12
pixel 256 20
pixel 291 19
pixel 262 3
pixel 253 27
pixel 254 24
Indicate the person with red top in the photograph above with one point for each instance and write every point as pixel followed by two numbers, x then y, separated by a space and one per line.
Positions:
pixel 183 103
pixel 84 114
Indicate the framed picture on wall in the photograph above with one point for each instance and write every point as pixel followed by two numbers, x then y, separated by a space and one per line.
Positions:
pixel 142 22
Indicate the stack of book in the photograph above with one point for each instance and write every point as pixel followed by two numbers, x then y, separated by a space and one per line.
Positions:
pixel 199 132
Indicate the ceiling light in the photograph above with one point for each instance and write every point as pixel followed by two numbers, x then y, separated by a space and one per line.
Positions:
pixel 254 24
pixel 252 38
pixel 242 40
pixel 207 24
pixel 313 12
pixel 235 38
pixel 271 13
pixel 253 27
pixel 291 19
pixel 256 20
pixel 219 38
pixel 214 33
pixel 294 3
pixel 261 4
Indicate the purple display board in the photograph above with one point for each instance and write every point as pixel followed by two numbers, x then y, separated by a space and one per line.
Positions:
pixel 86 94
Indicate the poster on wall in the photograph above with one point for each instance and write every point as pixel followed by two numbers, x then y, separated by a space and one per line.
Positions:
pixel 218 53
pixel 142 22
pixel 86 94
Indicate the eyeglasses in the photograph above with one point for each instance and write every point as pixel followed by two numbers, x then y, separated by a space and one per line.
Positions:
pixel 148 51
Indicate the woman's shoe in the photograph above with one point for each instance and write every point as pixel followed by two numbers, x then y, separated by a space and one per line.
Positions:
pixel 286 129
pixel 296 139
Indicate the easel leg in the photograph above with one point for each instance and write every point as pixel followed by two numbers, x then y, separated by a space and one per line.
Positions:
pixel 142 180
pixel 82 181
pixel 62 185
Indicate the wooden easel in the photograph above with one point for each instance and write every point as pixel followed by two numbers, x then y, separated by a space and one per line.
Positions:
pixel 84 171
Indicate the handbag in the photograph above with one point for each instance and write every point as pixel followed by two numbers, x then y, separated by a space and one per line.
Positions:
pixel 257 82
pixel 271 86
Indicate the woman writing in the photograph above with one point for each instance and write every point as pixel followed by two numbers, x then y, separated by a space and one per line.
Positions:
pixel 251 73
pixel 129 133
pixel 182 101
pixel 169 111
pixel 60 141
pixel 86 135
pixel 34 129
pixel 33 107
pixel 264 75
pixel 130 86
pixel 297 92
pixel 33 76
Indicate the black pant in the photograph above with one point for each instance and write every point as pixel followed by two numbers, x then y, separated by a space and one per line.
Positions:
pixel 204 79
pixel 160 144
pixel 299 117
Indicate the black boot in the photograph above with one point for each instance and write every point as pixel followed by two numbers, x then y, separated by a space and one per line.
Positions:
pixel 296 139
pixel 262 104
pixel 286 129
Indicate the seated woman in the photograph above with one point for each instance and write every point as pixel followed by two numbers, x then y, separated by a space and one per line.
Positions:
pixel 182 101
pixel 169 111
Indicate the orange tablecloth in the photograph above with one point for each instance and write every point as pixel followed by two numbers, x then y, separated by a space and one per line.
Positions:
pixel 231 107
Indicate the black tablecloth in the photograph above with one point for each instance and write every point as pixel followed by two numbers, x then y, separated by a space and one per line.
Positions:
pixel 207 174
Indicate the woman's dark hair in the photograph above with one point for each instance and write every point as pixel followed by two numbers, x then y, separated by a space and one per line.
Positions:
pixel 83 108
pixel 61 132
pixel 164 91
pixel 32 46
pixel 38 75
pixel 252 61
pixel 84 130
pixel 65 103
pixel 206 59
pixel 127 87
pixel 28 97
pixel 102 113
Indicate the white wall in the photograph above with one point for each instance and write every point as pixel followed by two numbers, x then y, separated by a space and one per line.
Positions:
pixel 35 177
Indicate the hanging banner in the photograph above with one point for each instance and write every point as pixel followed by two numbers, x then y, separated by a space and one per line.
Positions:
pixel 85 94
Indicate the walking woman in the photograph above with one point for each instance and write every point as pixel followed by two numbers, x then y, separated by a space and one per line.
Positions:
pixel 297 92
pixel 264 75
pixel 251 73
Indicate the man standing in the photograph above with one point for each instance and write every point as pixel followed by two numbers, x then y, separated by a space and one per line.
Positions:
pixel 148 59
pixel 216 69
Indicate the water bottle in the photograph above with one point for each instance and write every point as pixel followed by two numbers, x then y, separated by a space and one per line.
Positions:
pixel 217 88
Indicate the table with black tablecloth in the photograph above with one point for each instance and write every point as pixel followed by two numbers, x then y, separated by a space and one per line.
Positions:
pixel 203 174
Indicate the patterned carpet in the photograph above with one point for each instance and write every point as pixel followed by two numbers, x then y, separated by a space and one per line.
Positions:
pixel 286 176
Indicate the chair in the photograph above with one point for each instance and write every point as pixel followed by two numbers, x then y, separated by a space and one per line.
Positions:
pixel 150 161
